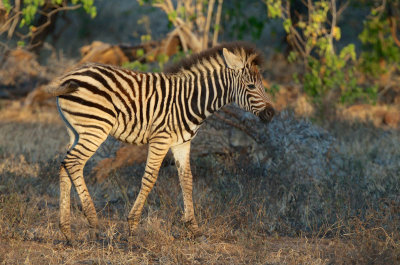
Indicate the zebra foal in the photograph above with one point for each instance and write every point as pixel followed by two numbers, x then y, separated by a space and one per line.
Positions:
pixel 164 110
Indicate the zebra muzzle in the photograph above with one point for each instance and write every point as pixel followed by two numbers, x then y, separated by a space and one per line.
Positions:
pixel 267 114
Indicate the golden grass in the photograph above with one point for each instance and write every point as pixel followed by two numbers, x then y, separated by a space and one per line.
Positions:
pixel 15 111
pixel 235 219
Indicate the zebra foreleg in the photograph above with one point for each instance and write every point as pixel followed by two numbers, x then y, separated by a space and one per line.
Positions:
pixel 182 161
pixel 156 154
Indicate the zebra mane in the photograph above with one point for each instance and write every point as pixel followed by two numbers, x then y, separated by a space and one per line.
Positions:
pixel 188 62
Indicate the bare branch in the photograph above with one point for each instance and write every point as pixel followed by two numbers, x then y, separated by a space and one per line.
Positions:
pixel 217 22
pixel 11 23
pixel 3 50
pixel 333 25
pixel 298 42
pixel 192 34
pixel 170 4
pixel 49 16
pixel 393 29
pixel 200 19
pixel 6 26
pixel 342 8
pixel 208 23
pixel 14 23
pixel 381 9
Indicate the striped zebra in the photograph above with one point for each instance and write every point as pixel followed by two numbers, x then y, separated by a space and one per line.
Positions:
pixel 164 110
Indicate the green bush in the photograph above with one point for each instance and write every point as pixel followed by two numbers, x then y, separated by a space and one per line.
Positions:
pixel 330 76
pixel 380 52
pixel 35 16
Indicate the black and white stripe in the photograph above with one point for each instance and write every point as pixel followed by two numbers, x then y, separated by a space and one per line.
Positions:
pixel 164 110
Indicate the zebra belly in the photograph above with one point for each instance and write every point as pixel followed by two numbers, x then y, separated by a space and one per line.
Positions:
pixel 139 133
pixel 130 131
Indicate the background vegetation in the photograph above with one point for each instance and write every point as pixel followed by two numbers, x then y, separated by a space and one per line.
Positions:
pixel 318 185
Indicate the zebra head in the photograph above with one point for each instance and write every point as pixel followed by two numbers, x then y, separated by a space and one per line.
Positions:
pixel 249 92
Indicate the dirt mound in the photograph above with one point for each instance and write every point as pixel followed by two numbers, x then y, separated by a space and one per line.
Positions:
pixel 379 115
pixel 100 52
pixel 20 73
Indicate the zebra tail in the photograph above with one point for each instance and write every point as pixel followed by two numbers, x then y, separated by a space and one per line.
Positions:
pixel 56 89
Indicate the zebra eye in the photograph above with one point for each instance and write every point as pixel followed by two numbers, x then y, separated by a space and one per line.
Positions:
pixel 251 86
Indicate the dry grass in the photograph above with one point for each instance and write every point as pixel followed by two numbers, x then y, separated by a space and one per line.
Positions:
pixel 312 198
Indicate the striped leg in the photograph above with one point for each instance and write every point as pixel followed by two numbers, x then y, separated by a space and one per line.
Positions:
pixel 65 208
pixel 72 169
pixel 155 157
pixel 65 190
pixel 182 160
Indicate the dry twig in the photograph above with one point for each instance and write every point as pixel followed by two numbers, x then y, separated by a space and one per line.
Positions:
pixel 217 22
pixel 12 22
pixel 208 23
pixel 193 34
pixel 393 29
pixel 237 125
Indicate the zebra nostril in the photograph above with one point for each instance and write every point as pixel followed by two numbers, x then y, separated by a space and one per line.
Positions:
pixel 267 114
pixel 271 112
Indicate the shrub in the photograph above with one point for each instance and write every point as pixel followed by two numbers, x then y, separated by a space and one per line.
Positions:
pixel 380 53
pixel 329 76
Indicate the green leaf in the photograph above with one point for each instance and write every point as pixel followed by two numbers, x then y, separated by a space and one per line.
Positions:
pixel 172 16
pixel 145 38
pixel 93 12
pixel 274 8
pixel 292 56
pixel 139 52
pixel 22 23
pixel 7 5
pixel 162 59
pixel 348 51
pixel 336 33
pixel 287 23
pixel 21 43
pixel 136 65
pixel 301 24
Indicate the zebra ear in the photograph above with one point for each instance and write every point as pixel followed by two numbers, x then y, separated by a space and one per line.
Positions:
pixel 233 61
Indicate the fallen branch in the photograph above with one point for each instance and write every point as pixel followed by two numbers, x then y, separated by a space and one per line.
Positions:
pixel 241 127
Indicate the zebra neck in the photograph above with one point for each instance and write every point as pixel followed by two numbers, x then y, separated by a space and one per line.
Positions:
pixel 206 91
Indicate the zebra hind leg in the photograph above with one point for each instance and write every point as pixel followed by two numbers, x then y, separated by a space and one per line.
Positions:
pixel 72 169
pixel 65 208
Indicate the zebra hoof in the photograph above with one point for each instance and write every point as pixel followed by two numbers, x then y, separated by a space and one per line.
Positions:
pixel 201 239
pixel 133 235
pixel 196 234
pixel 66 231
pixel 70 243
pixel 94 234
pixel 133 242
pixel 193 228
